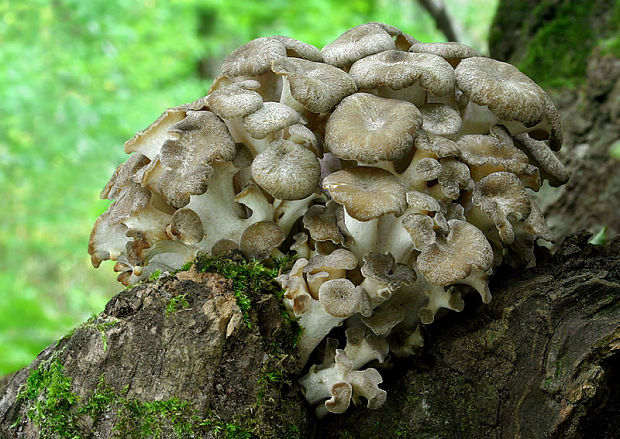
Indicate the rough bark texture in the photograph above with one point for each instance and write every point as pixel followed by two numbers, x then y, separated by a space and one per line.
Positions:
pixel 540 361
pixel 568 47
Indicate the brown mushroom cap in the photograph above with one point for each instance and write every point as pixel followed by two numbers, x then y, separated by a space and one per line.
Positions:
pixel 507 92
pixel 341 397
pixel 357 43
pixel 253 58
pixel 454 177
pixel 383 268
pixel 287 171
pixel 422 202
pixel 149 141
pixel 299 49
pixel 235 100
pixel 450 51
pixel 271 117
pixel 366 193
pixel 501 197
pixel 451 259
pixel 317 86
pixel 551 168
pixel 125 174
pixel 436 146
pixel 487 154
pixel 420 229
pixel 259 240
pixel 322 223
pixel 440 119
pixel 338 260
pixel 397 69
pixel 369 128
pixel 201 139
pixel 339 297
pixel 186 227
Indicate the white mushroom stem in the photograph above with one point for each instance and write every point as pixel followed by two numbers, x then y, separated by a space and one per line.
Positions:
pixel 477 119
pixel 316 324
pixel 216 208
pixel 395 238
pixel 287 98
pixel 363 234
pixel 438 298
pixel 478 280
pixel 288 211
pixel 240 135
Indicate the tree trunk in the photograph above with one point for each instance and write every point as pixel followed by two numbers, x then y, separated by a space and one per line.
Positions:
pixel 176 358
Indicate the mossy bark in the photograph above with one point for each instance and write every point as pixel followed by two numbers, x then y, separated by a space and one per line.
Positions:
pixel 572 49
pixel 540 361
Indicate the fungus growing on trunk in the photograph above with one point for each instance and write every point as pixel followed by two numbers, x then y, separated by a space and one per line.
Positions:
pixel 395 171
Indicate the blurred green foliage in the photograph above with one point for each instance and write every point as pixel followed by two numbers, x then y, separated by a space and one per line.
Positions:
pixel 77 79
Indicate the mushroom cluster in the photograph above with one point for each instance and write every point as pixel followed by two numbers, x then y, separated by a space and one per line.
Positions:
pixel 398 172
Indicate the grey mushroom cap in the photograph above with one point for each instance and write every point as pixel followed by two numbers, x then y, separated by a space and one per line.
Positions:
pixel 440 119
pixel 271 117
pixel 259 240
pixel 202 138
pixel 317 86
pixel 124 175
pixel 383 267
pixel 287 171
pixel 507 92
pixel 357 43
pixel 501 197
pixel 253 58
pixel 451 259
pixel 543 157
pixel 299 49
pixel 186 227
pixel 235 100
pixel 366 193
pixel 339 297
pixel 322 223
pixel 339 259
pixel 397 69
pixel 450 51
pixel 369 128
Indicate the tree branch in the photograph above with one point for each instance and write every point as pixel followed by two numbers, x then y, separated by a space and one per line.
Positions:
pixel 443 20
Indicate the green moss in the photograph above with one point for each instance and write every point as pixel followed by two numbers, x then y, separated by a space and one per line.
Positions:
pixel 177 303
pixel 90 325
pixel 51 402
pixel 247 278
pixel 59 412
pixel 155 275
pixel 558 51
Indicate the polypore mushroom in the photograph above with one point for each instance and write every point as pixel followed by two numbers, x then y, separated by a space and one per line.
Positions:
pixel 287 171
pixel 357 43
pixel 450 51
pixel 511 97
pixel 395 170
pixel 463 256
pixel 366 194
pixel 404 75
pixel 370 129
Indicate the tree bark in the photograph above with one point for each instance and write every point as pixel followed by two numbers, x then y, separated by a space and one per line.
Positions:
pixel 540 361
pixel 443 20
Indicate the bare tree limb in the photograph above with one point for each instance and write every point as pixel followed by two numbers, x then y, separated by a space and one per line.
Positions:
pixel 443 20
